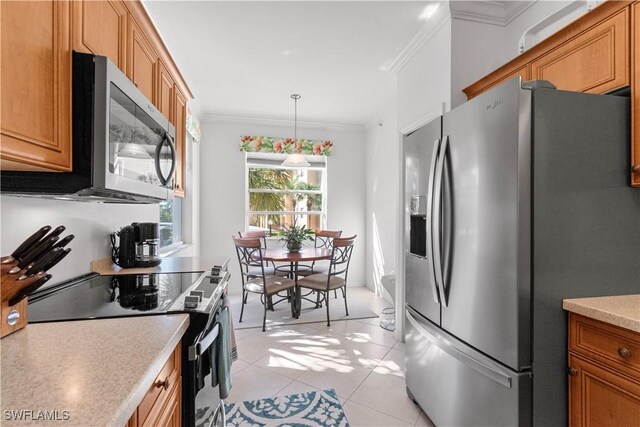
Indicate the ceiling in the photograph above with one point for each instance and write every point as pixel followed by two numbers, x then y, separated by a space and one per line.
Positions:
pixel 244 58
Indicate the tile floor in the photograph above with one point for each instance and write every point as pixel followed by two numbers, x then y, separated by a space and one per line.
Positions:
pixel 362 362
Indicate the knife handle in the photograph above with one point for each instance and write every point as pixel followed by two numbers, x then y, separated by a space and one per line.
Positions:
pixel 57 231
pixel 27 244
pixel 39 249
pixel 29 289
pixel 41 263
pixel 64 242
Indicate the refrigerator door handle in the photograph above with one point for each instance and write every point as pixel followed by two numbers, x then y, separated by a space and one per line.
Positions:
pixel 432 172
pixel 431 333
pixel 436 221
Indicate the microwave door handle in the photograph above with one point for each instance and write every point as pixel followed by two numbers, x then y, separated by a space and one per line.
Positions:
pixel 168 140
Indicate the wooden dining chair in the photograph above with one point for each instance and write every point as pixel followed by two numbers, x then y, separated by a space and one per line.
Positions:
pixel 249 251
pixel 338 266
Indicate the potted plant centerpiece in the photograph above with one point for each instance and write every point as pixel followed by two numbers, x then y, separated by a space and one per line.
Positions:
pixel 293 236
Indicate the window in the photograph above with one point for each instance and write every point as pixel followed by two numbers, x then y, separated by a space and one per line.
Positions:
pixel 170 222
pixel 278 195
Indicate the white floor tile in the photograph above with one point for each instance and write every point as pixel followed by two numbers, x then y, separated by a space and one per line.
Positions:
pixel 343 379
pixel 255 383
pixel 255 347
pixel 392 364
pixel 296 387
pixel 387 393
pixel 285 363
pixel 360 415
pixel 373 334
pixel 424 421
pixel 238 366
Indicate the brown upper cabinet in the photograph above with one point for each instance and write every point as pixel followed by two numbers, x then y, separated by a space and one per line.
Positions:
pixel 100 27
pixel 36 86
pixel 37 40
pixel 141 61
pixel 165 92
pixel 181 142
pixel 597 53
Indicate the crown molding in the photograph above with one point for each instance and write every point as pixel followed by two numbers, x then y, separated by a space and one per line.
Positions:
pixel 267 121
pixel 498 13
pixel 427 31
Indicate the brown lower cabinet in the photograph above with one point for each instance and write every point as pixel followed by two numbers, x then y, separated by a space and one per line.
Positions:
pixel 604 374
pixel 597 53
pixel 162 405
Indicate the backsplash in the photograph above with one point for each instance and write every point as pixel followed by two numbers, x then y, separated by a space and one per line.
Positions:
pixel 91 224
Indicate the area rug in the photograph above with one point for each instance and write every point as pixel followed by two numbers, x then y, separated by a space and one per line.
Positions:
pixel 363 304
pixel 310 409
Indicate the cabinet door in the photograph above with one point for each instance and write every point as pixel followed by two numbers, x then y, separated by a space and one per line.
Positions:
pixel 100 27
pixel 601 397
pixel 165 92
pixel 635 100
pixel 141 60
pixel 36 86
pixel 595 61
pixel 181 141
pixel 171 415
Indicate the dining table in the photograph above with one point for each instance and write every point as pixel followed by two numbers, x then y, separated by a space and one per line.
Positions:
pixel 308 254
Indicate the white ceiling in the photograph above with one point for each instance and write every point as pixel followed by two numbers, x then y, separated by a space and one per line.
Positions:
pixel 244 58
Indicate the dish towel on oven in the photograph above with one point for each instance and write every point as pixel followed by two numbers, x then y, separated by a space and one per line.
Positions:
pixel 221 367
pixel 232 331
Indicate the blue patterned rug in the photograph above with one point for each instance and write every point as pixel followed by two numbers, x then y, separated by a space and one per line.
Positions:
pixel 311 409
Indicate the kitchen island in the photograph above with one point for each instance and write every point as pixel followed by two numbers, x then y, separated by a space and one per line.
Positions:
pixel 84 373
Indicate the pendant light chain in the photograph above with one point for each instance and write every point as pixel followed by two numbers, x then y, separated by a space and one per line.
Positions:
pixel 295 97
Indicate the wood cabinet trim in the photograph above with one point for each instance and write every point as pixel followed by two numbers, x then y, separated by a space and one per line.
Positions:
pixel 144 21
pixel 574 29
pixel 635 94
pixel 180 110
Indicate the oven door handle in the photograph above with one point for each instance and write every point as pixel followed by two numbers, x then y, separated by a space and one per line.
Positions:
pixel 201 346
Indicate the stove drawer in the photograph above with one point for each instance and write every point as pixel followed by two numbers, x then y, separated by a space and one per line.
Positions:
pixel 153 405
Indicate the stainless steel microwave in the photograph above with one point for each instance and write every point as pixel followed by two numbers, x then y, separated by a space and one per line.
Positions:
pixel 123 147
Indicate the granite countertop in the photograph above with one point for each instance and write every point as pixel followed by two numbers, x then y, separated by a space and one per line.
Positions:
pixel 622 311
pixel 106 267
pixel 96 370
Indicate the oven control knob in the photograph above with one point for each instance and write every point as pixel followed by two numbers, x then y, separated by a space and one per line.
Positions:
pixel 199 294
pixel 191 301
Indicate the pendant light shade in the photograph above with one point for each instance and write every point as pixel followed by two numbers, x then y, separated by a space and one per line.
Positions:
pixel 295 160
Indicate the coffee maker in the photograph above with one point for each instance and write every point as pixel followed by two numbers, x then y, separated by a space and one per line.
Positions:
pixel 138 246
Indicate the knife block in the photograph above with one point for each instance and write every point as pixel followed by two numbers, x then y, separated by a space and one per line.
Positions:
pixel 13 317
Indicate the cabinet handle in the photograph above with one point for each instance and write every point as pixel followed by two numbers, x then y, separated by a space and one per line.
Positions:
pixel 635 168
pixel 572 372
pixel 624 353
pixel 163 384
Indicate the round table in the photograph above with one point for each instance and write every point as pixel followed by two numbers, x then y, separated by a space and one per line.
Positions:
pixel 305 254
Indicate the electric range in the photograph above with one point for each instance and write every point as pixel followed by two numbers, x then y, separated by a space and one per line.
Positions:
pixel 199 294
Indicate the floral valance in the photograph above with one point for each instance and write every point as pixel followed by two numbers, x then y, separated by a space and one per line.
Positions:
pixel 267 144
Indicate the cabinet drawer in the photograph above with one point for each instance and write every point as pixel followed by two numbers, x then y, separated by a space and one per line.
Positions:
pixel 613 346
pixel 595 61
pixel 153 403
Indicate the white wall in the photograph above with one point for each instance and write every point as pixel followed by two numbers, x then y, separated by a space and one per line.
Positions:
pixel 383 177
pixel 91 224
pixel 222 192
pixel 424 83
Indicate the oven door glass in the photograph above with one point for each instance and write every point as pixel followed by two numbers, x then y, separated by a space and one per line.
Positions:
pixel 139 148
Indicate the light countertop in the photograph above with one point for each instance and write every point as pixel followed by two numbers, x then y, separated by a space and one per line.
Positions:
pixel 97 370
pixel 106 267
pixel 622 311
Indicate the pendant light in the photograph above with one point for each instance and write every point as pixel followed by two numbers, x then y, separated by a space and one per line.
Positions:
pixel 295 160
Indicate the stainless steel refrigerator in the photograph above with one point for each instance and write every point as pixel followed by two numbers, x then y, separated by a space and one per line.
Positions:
pixel 514 201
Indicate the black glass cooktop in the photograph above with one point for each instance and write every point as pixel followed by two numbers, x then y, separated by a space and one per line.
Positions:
pixel 96 296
